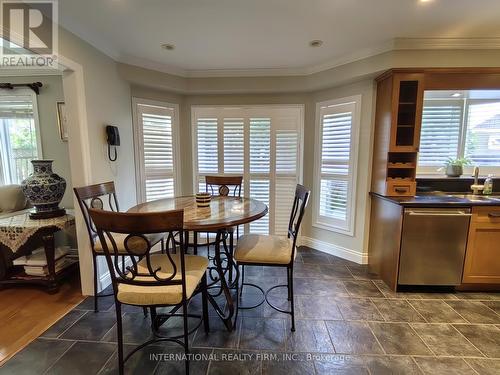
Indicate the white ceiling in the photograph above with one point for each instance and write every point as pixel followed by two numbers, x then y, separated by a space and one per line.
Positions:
pixel 268 35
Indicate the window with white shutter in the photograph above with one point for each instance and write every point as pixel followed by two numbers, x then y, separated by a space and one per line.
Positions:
pixel 440 134
pixel 482 138
pixel 336 164
pixel 19 135
pixel 260 143
pixel 460 125
pixel 155 146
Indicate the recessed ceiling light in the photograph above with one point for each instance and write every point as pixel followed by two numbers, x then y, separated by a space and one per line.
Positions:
pixel 168 46
pixel 315 43
pixel 425 1
pixel 456 95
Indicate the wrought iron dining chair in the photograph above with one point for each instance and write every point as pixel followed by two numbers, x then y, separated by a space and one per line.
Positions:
pixel 153 279
pixel 274 251
pixel 225 186
pixel 95 196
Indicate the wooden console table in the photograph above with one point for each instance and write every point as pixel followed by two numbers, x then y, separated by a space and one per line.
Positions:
pixel 19 236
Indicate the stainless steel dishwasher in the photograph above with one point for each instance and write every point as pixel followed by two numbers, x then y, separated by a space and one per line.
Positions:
pixel 433 246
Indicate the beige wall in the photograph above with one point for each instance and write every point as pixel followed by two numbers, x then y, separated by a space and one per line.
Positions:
pixel 52 145
pixel 356 245
pixel 96 96
pixel 107 98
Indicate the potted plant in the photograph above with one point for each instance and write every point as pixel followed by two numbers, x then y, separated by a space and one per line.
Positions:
pixel 455 166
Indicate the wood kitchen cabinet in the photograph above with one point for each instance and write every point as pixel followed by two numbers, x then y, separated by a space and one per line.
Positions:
pixel 397 133
pixel 482 259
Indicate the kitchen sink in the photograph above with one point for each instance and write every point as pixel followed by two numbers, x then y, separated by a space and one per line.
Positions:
pixel 476 198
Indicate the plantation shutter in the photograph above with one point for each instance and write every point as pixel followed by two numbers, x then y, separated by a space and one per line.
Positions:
pixel 482 144
pixel 440 134
pixel 156 151
pixel 259 143
pixel 233 145
pixel 336 164
pixel 19 141
pixel 16 106
pixel 260 165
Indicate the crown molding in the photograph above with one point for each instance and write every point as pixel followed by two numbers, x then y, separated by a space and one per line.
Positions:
pixel 446 43
pixel 387 46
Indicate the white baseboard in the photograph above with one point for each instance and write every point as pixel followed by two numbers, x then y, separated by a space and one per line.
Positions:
pixel 332 249
pixel 325 247
pixel 104 281
pixel 105 278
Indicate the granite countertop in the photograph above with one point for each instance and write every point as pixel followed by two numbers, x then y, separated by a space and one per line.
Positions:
pixel 444 199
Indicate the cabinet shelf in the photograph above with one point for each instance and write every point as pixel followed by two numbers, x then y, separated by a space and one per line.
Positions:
pixel 401 165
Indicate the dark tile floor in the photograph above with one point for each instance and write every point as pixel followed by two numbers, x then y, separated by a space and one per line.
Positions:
pixel 348 322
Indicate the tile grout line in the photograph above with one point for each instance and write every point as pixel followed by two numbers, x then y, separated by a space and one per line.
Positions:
pixel 378 310
pixel 463 317
pixel 376 338
pixel 76 321
pixel 468 364
pixel 416 363
pixel 58 358
pixel 470 342
pixel 414 309
pixel 428 347
pixel 108 361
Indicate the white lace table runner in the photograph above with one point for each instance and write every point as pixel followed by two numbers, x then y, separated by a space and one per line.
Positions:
pixel 16 230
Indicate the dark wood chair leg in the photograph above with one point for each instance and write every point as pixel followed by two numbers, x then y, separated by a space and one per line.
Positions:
pixel 121 363
pixel 204 302
pixel 96 297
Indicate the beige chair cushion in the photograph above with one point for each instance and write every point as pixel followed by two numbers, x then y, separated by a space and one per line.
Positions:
pixel 120 238
pixel 256 248
pixel 164 295
pixel 12 199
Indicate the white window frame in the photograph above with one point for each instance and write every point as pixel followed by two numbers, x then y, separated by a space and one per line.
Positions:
pixel 36 120
pixel 346 227
pixel 248 111
pixel 439 170
pixel 138 147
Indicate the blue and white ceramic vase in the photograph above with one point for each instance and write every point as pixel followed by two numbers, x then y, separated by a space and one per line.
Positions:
pixel 44 190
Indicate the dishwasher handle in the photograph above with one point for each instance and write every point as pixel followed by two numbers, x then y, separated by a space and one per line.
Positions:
pixel 439 213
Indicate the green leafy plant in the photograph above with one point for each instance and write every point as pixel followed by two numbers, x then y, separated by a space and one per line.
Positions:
pixel 459 162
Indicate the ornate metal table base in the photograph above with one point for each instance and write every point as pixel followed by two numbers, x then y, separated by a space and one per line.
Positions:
pixel 229 313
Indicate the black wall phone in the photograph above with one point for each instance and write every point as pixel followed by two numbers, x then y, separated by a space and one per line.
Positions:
pixel 113 139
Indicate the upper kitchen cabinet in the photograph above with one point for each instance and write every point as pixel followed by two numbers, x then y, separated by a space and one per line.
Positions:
pixel 397 133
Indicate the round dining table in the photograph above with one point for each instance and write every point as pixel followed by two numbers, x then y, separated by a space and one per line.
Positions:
pixel 223 213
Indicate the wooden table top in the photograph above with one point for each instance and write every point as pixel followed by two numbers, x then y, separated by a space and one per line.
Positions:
pixel 223 212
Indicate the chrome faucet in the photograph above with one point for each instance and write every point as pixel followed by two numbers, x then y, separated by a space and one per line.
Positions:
pixel 476 188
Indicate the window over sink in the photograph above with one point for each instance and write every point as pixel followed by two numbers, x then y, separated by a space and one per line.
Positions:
pixel 460 124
